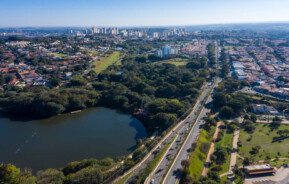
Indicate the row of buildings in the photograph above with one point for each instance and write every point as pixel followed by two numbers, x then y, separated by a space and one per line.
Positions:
pixel 104 30
pixel 26 63
pixel 138 33
pixel 259 66
pixel 167 51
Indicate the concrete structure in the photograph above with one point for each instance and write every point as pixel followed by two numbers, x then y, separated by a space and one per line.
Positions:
pixel 259 169
pixel 167 51
pixel 264 109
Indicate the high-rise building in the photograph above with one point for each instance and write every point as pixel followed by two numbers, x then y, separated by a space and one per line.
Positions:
pixel 155 35
pixel 114 31
pixel 94 30
pixel 103 30
pixel 167 51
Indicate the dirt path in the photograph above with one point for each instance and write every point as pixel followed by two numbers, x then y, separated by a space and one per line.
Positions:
pixel 234 151
pixel 212 149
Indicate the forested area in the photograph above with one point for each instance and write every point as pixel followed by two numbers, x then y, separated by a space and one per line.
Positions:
pixel 229 103
pixel 85 171
pixel 156 94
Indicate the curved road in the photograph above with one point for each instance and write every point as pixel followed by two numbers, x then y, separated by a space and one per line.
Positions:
pixel 173 174
pixel 182 126
pixel 181 146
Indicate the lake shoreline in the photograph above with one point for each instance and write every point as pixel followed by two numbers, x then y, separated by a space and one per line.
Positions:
pixel 69 133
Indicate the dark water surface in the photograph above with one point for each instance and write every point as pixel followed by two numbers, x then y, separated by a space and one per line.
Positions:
pixel 54 142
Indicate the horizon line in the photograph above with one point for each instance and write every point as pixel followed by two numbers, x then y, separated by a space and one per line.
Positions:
pixel 145 26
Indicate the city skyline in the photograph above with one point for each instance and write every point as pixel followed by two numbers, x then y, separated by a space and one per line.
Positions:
pixel 44 13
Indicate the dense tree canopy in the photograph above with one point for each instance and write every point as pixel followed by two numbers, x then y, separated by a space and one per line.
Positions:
pixel 157 94
pixel 229 103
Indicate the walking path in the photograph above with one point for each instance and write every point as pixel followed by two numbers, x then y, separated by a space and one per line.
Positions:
pixel 234 151
pixel 212 149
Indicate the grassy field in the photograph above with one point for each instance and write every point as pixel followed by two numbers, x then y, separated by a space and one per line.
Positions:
pixel 105 62
pixel 198 156
pixel 93 53
pixel 226 142
pixel 176 62
pixel 59 55
pixel 263 137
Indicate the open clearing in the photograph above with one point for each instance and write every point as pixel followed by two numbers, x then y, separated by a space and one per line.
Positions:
pixel 225 142
pixel 198 156
pixel 175 61
pixel 263 137
pixel 105 62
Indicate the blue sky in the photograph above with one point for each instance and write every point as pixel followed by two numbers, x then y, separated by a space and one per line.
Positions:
pixel 139 12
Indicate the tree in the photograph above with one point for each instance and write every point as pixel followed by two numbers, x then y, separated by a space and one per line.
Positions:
pixel 50 176
pixel 12 175
pixel 283 133
pixel 211 54
pixel 219 156
pixel 197 64
pixel 9 174
pixel 2 80
pixel 214 176
pixel 164 119
pixel 9 78
pixel 47 109
pixel 253 118
pixel 154 58
pixel 231 127
pixel 209 123
pixel 237 104
pixel 277 119
pixel 220 99
pixel 255 150
pixel 26 177
pixel 246 161
pixel 87 175
pixel 185 163
pixel 78 81
pixel 75 103
pixel 54 82
pixel 248 126
pixel 276 122
pixel 76 166
pixel 226 112
pixel 141 59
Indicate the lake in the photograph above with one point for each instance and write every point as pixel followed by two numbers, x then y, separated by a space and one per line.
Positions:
pixel 54 142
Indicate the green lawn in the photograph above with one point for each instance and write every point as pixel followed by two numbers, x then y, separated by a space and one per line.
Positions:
pixel 93 53
pixel 176 62
pixel 198 156
pixel 59 55
pixel 226 142
pixel 262 137
pixel 105 62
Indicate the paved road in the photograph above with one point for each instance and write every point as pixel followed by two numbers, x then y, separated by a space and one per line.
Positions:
pixel 173 175
pixel 182 126
pixel 158 174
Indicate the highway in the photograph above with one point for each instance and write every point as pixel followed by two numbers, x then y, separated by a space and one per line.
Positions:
pixel 182 126
pixel 191 126
pixel 173 174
